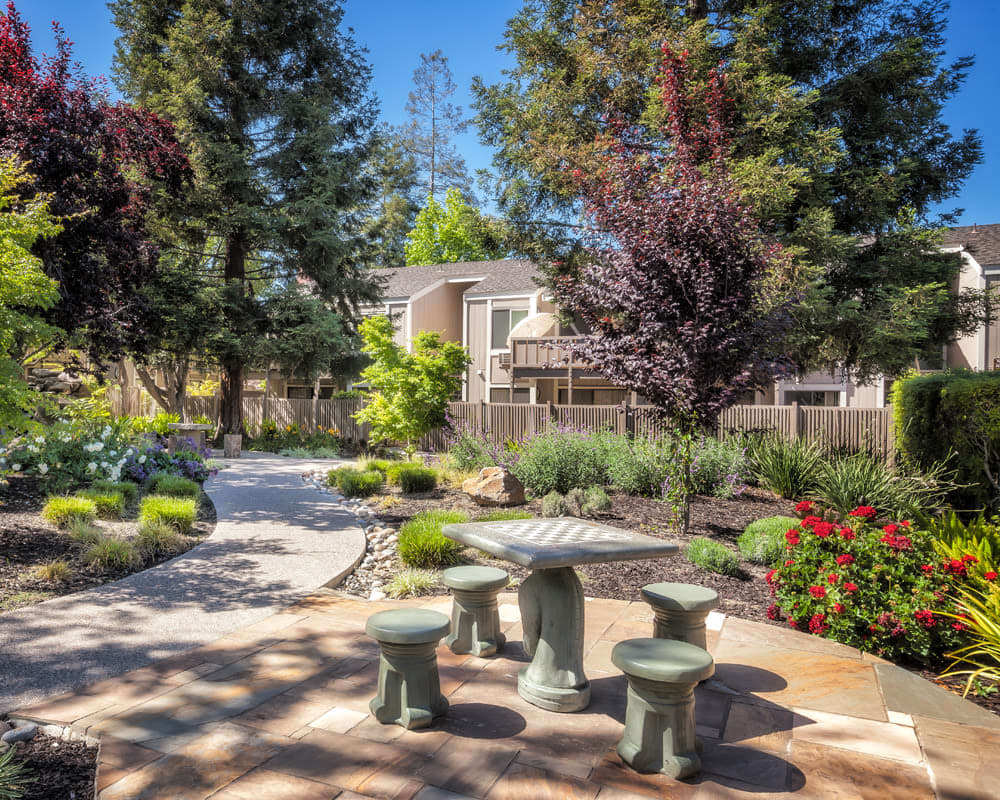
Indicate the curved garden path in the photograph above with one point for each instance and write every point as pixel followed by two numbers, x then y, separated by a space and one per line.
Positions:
pixel 276 540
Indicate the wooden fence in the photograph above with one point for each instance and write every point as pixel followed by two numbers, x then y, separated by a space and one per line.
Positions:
pixel 837 428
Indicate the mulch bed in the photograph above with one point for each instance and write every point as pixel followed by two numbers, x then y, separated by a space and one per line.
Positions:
pixel 62 770
pixel 27 541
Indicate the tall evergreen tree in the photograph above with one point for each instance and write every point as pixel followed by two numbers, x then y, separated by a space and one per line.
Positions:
pixel 271 101
pixel 838 144
pixel 434 120
pixel 396 204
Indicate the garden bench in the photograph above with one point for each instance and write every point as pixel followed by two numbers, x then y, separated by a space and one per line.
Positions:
pixel 659 731
pixel 186 430
pixel 409 690
pixel 475 618
pixel 680 610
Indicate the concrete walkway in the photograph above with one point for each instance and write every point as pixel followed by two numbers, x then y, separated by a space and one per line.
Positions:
pixel 280 710
pixel 276 541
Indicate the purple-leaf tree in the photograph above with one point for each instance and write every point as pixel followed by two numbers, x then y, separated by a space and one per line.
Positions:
pixel 679 287
pixel 677 291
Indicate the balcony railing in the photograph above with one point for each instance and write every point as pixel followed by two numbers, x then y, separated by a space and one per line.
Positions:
pixel 541 353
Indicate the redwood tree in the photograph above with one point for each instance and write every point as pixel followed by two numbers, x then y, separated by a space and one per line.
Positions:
pixel 683 288
pixel 99 164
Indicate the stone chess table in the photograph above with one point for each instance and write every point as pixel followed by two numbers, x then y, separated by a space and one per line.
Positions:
pixel 551 598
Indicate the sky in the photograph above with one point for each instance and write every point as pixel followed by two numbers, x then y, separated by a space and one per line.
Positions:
pixel 396 32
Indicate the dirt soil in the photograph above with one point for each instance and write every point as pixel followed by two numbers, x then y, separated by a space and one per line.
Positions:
pixel 61 770
pixel 28 541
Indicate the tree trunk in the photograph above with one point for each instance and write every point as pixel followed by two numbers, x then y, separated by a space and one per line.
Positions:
pixel 231 390
pixel 315 407
pixel 697 9
pixel 170 397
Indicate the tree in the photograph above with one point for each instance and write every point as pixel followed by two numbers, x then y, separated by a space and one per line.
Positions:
pixel 433 121
pixel 453 232
pixel 409 390
pixel 396 206
pixel 837 143
pixel 271 100
pixel 678 293
pixel 25 290
pixel 99 165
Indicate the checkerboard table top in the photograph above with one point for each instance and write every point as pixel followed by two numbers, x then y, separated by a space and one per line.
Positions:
pixel 562 542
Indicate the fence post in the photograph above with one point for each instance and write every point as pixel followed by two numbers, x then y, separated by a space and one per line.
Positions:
pixel 482 415
pixel 793 428
pixel 629 419
pixel 549 415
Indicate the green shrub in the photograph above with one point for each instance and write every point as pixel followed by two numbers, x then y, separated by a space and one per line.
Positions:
pixel 15 776
pixel 638 466
pixel 126 488
pixel 952 417
pixel 719 468
pixel 178 512
pixel 596 501
pixel 112 552
pixel 575 499
pixel 84 532
pixel 383 465
pixel 863 479
pixel 172 486
pixel 421 543
pixel 53 572
pixel 412 477
pixel 354 483
pixel 411 582
pixel 62 511
pixel 110 505
pixel 554 505
pixel 787 468
pixel 504 515
pixel 309 452
pixel 709 554
pixel 763 541
pixel 557 461
pixel 159 538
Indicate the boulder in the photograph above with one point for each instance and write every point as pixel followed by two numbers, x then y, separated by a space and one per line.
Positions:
pixel 495 486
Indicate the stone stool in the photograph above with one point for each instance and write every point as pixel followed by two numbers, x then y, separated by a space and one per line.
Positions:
pixel 475 619
pixel 680 610
pixel 409 691
pixel 659 720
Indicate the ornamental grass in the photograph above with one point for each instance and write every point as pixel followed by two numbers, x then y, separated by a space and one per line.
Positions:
pixel 422 544
pixel 62 511
pixel 177 512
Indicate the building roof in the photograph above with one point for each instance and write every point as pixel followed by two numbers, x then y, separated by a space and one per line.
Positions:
pixel 982 241
pixel 492 277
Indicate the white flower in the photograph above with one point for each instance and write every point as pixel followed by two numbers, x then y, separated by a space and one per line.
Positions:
pixel 16 467
pixel 142 459
pixel 43 468
pixel 112 453
pixel 129 452
pixel 32 448
pixel 105 465
pixel 91 467
pixel 3 462
pixel 115 473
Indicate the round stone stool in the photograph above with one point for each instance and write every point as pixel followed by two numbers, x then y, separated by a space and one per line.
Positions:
pixel 659 720
pixel 680 610
pixel 409 691
pixel 475 619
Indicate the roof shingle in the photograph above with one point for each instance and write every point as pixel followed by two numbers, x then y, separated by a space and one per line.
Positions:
pixel 493 277
pixel 982 241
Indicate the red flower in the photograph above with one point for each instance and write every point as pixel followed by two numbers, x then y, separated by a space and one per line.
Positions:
pixel 847 533
pixel 773 612
pixel 967 559
pixel 793 623
pixel 817 591
pixel 897 543
pixel 925 618
pixel 891 528
pixel 804 507
pixel 958 626
pixel 927 567
pixel 905 523
pixel 865 512
pixel 838 608
pixel 770 576
pixel 956 568
pixel 873 628
pixel 832 578
pixel 850 587
pixel 846 558
pixel 818 624
pixel 808 522
pixel 824 529
pixel 990 576
pixel 792 536
pixel 789 562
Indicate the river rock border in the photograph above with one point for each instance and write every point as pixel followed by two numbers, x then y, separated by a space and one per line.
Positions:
pixel 377 567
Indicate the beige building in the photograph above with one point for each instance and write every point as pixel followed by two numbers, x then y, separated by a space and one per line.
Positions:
pixel 499 311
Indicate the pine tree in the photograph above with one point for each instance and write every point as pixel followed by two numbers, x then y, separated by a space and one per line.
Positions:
pixel 433 122
pixel 271 101
pixel 838 143
pixel 396 205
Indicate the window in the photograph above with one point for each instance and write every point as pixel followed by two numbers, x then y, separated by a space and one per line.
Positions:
pixel 813 398
pixel 503 320
pixel 503 395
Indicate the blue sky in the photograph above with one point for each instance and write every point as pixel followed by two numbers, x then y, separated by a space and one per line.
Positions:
pixel 396 32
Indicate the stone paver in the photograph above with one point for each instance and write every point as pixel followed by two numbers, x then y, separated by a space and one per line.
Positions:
pixel 281 710
pixel 276 541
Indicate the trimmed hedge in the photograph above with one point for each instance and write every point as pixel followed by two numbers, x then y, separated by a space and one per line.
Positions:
pixel 952 414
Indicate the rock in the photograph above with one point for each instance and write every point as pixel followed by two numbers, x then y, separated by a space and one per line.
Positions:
pixel 22 733
pixel 495 486
pixel 376 594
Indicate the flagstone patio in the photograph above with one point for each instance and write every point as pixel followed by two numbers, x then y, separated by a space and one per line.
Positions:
pixel 280 710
